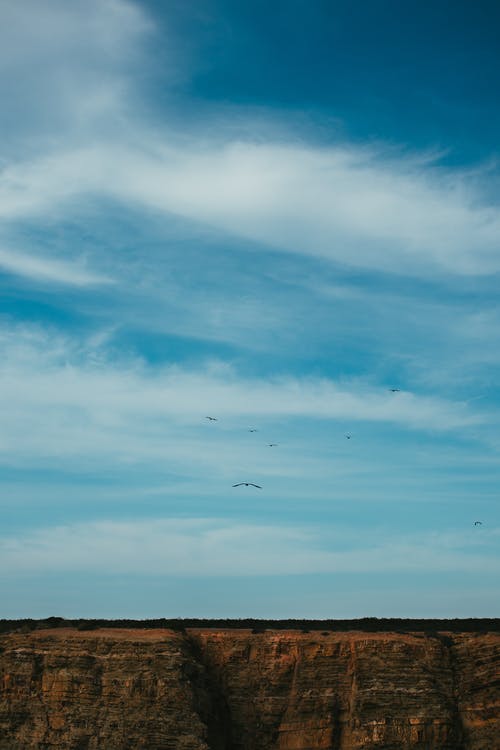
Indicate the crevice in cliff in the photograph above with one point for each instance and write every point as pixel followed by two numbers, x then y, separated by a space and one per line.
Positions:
pixel 211 704
pixel 345 716
pixel 448 646
pixel 38 670
pixel 337 726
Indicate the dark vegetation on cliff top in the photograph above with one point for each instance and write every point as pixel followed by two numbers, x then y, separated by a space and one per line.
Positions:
pixel 366 624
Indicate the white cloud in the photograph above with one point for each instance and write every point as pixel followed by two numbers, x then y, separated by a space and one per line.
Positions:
pixel 70 411
pixel 48 270
pixel 361 206
pixel 66 66
pixel 63 397
pixel 45 30
pixel 354 206
pixel 202 547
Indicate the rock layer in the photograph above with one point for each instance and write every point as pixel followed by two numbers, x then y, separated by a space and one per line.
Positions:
pixel 234 690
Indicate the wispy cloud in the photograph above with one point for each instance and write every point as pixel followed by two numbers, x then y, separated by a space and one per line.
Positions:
pixel 364 206
pixel 217 547
pixel 67 66
pixel 358 207
pixel 70 399
pixel 48 270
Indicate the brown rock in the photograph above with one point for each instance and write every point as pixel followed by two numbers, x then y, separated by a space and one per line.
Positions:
pixel 105 689
pixel 234 690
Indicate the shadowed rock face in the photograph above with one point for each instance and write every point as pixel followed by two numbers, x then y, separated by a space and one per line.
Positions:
pixel 233 690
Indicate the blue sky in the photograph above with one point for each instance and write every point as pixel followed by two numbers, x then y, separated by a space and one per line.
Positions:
pixel 273 215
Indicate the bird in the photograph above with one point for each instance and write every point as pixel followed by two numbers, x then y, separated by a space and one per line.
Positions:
pixel 348 437
pixel 395 390
pixel 478 523
pixel 272 445
pixel 247 484
pixel 212 419
pixel 252 429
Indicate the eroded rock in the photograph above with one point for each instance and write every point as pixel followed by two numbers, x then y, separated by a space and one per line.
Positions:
pixel 234 690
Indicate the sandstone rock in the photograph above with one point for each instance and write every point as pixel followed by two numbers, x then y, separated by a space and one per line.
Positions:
pixel 106 690
pixel 234 690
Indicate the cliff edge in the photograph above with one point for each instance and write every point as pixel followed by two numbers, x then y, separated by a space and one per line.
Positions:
pixel 113 689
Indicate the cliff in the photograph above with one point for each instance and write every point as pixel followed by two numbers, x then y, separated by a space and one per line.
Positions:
pixel 234 690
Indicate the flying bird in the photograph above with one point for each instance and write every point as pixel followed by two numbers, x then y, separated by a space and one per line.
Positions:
pixel 395 390
pixel 252 430
pixel 272 445
pixel 247 484
pixel 348 437
pixel 212 419
pixel 478 523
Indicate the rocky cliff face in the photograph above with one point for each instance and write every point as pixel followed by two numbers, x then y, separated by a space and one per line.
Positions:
pixel 233 690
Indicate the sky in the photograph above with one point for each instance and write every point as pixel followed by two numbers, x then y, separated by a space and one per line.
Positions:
pixel 284 216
